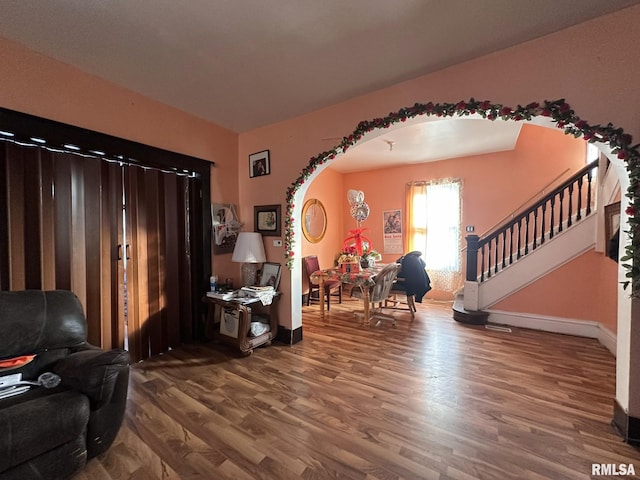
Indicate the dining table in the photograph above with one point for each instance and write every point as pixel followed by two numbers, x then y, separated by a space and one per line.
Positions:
pixel 364 279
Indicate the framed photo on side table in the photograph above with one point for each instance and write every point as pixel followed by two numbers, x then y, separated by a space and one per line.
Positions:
pixel 270 275
pixel 267 220
pixel 259 164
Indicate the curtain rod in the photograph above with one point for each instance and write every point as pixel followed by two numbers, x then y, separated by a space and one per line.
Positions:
pixel 431 182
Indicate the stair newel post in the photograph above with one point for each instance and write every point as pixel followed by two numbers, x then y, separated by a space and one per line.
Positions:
pixel 472 257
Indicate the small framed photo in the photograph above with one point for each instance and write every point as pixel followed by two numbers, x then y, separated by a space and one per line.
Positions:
pixel 267 220
pixel 270 275
pixel 259 164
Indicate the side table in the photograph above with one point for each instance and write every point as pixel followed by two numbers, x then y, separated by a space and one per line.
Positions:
pixel 238 315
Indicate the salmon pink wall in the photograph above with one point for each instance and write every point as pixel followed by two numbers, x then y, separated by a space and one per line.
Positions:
pixel 41 86
pixel 493 185
pixel 583 289
pixel 588 65
pixel 328 189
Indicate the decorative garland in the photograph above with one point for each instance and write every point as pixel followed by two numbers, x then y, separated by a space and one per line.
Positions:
pixel 558 111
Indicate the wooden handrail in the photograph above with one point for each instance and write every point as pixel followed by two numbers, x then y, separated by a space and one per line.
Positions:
pixel 512 239
pixel 523 204
pixel 579 174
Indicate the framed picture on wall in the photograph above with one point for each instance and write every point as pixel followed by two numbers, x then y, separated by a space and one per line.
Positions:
pixel 259 164
pixel 267 220
pixel 612 230
pixel 225 227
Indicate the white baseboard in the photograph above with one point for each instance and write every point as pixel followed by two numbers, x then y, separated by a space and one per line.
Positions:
pixel 608 339
pixel 567 326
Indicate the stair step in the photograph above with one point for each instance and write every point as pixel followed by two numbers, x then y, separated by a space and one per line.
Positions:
pixel 460 314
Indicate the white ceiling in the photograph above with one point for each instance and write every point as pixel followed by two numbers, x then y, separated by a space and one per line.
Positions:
pixel 427 140
pixel 243 64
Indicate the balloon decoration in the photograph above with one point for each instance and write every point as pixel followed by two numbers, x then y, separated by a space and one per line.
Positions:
pixel 360 211
pixel 355 196
pixel 359 208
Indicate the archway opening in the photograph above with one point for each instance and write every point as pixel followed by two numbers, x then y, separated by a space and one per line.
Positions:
pixel 610 140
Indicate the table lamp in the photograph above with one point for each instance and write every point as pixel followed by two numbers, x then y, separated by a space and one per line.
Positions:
pixel 249 250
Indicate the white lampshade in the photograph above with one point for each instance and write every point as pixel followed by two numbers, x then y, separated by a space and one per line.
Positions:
pixel 249 248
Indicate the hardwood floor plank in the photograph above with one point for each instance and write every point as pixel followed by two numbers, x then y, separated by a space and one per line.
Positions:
pixel 428 399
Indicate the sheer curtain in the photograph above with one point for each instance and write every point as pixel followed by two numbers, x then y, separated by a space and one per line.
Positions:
pixel 434 215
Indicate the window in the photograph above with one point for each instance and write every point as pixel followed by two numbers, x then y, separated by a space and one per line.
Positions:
pixel 592 153
pixel 434 220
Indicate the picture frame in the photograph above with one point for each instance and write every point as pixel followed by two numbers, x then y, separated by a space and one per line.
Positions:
pixel 229 321
pixel 270 275
pixel 259 164
pixel 612 230
pixel 225 227
pixel 267 220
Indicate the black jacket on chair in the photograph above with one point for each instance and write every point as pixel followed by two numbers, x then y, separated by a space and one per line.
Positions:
pixel 50 433
pixel 413 275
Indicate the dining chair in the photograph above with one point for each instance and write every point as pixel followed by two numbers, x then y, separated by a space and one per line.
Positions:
pixel 413 283
pixel 379 293
pixel 332 288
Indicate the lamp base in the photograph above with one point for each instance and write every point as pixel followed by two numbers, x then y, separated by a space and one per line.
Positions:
pixel 249 274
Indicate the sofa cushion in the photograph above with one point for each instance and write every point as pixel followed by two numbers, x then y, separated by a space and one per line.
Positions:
pixel 39 421
pixel 33 321
pixel 92 372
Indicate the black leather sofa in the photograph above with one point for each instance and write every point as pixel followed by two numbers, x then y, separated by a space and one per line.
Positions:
pixel 50 433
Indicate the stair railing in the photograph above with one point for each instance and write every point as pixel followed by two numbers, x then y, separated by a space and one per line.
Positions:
pixel 555 212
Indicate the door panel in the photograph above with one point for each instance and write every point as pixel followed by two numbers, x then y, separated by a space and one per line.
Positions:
pixel 116 235
pixel 156 272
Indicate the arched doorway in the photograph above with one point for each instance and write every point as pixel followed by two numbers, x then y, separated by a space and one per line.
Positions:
pixel 610 140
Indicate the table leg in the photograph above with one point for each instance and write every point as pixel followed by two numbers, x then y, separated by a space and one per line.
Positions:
pixel 321 295
pixel 365 299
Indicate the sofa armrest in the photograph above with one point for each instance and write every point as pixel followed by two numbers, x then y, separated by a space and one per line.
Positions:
pixel 93 372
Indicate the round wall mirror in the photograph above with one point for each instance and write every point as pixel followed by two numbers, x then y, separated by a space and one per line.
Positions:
pixel 314 220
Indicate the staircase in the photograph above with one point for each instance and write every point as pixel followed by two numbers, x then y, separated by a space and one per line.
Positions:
pixel 549 233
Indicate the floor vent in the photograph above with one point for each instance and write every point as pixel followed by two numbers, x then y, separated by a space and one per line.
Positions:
pixel 498 328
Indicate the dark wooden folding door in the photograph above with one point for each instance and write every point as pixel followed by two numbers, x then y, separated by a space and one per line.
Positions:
pixel 158 256
pixel 121 236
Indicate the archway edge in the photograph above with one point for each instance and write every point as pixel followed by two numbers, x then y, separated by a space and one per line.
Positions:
pixel 558 112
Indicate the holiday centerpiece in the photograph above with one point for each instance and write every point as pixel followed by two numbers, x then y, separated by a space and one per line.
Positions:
pixel 356 252
pixel 348 260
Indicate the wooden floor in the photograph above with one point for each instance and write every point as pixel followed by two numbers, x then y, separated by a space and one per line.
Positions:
pixel 429 399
